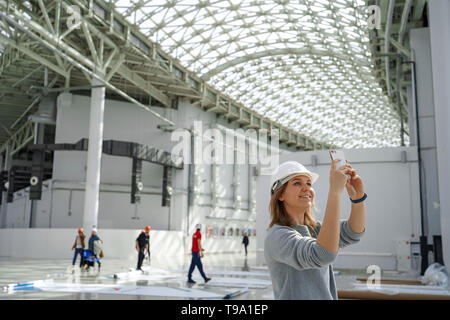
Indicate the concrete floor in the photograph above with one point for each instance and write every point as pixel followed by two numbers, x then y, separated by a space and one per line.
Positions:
pixel 15 270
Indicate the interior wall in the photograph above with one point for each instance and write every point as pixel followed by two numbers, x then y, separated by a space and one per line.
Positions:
pixel 123 122
pixel 213 187
pixel 439 11
pixel 212 203
pixel 420 44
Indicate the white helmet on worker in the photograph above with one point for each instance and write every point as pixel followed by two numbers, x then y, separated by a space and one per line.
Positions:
pixel 198 226
pixel 288 170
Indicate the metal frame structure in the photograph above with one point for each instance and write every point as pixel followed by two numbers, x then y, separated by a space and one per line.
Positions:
pixel 73 41
pixel 390 47
pixel 306 64
pixel 20 138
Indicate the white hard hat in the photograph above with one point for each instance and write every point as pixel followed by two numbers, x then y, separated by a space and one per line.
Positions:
pixel 288 170
pixel 94 229
pixel 198 226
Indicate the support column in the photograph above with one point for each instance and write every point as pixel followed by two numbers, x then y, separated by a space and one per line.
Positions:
pixel 426 120
pixel 439 12
pixel 94 157
pixel 39 130
pixel 236 177
pixel 4 208
pixel 251 192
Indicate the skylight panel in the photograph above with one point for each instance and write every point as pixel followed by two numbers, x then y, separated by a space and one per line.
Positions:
pixel 332 64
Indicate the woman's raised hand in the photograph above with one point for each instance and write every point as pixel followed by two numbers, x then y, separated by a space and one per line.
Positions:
pixel 355 186
pixel 338 177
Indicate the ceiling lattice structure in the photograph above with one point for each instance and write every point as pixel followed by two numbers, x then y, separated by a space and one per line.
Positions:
pixel 306 64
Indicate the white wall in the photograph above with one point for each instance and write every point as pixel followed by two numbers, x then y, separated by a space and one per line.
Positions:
pixel 392 205
pixel 420 45
pixel 124 122
pixel 62 201
pixel 223 213
pixel 439 11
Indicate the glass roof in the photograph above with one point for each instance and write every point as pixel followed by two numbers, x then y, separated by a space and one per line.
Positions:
pixel 306 64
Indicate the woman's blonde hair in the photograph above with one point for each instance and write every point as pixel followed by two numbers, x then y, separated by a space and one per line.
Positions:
pixel 279 215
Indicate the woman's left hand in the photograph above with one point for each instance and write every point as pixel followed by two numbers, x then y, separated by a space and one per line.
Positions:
pixel 354 185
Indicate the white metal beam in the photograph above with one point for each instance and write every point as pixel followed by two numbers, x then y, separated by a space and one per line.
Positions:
pixel 19 138
pixel 116 66
pixel 125 72
pixel 142 84
pixel 83 68
pixel 387 37
pixel 45 14
pixel 90 43
pixel 32 54
pixel 275 52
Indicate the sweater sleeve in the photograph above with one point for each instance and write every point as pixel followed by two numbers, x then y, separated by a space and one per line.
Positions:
pixel 347 235
pixel 285 245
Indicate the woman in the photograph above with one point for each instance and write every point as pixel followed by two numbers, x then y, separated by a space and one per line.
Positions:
pixel 78 246
pixel 298 249
pixel 93 238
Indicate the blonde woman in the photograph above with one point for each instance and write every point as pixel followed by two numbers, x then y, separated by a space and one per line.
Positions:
pixel 78 246
pixel 298 249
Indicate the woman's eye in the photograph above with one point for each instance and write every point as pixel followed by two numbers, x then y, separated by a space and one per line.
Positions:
pixel 298 183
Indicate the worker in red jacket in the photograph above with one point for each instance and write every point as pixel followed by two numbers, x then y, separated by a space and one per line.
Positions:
pixel 197 254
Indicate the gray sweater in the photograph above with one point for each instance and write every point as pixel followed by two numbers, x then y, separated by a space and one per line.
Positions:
pixel 299 267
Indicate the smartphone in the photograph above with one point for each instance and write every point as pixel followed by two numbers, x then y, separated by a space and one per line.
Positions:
pixel 338 154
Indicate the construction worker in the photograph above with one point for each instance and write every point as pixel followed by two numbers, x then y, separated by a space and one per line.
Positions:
pixel 78 246
pixel 148 242
pixel 142 246
pixel 197 254
pixel 245 241
pixel 93 247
